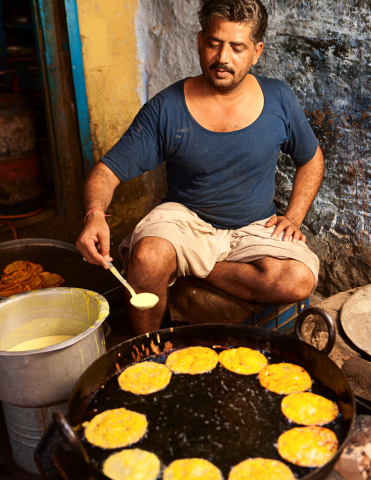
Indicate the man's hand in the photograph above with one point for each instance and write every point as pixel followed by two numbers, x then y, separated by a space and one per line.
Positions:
pixel 287 224
pixel 307 181
pixel 95 234
pixel 98 191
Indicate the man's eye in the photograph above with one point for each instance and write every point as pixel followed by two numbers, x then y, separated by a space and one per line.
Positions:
pixel 237 51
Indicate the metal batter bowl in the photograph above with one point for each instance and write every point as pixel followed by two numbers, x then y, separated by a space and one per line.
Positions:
pixel 46 377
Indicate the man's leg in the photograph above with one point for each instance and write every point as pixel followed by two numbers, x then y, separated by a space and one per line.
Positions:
pixel 152 262
pixel 268 280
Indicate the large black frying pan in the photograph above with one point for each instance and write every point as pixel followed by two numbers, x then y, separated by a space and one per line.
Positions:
pixel 220 416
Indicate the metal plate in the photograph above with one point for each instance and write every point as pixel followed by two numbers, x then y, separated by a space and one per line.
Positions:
pixel 355 318
pixel 62 258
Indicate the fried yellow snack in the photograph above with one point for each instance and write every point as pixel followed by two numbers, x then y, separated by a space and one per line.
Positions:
pixel 8 291
pixel 35 268
pixel 33 283
pixel 116 428
pixel 192 360
pixel 18 276
pixel 144 378
pixel 132 464
pixel 20 272
pixel 51 280
pixel 16 266
pixel 309 409
pixel 261 469
pixel 244 361
pixel 285 378
pixel 308 446
pixel 192 469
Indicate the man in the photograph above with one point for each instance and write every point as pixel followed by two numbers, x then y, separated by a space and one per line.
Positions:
pixel 220 134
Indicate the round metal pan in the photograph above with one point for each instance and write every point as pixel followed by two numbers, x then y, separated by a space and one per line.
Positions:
pixel 220 416
pixel 58 257
pixel 355 318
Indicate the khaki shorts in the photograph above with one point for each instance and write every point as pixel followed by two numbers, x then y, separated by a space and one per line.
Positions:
pixel 199 246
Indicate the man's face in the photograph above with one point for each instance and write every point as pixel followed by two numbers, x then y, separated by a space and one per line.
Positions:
pixel 227 53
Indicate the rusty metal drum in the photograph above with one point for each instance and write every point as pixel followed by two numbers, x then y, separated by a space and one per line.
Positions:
pixel 21 176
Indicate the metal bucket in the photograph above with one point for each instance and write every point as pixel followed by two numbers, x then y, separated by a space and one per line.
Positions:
pixel 36 379
pixel 25 427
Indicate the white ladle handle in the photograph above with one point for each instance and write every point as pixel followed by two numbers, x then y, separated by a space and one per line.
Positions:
pixel 121 278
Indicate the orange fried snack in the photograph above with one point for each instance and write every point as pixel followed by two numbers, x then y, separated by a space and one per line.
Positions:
pixel 23 276
pixel 18 272
pixel 308 446
pixel 285 378
pixel 242 360
pixel 8 291
pixel 261 469
pixel 116 428
pixel 192 360
pixel 145 378
pixel 132 464
pixel 34 283
pixel 51 279
pixel 309 409
pixel 192 469
pixel 16 266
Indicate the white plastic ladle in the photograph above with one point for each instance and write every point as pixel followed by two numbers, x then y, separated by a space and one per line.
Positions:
pixel 143 301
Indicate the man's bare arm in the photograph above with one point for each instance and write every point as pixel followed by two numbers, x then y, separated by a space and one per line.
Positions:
pixel 98 192
pixel 307 181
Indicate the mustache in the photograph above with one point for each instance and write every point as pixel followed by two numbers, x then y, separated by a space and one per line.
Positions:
pixel 222 66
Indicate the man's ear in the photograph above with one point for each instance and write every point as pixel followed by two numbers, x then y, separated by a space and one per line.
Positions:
pixel 258 51
pixel 199 40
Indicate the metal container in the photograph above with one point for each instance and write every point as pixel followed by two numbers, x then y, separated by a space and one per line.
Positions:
pixel 38 378
pixel 25 427
pixel 21 177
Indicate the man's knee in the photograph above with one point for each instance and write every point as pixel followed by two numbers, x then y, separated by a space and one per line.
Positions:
pixel 153 254
pixel 291 280
pixel 298 282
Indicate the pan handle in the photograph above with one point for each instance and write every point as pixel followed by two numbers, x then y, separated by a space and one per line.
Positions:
pixel 71 437
pixel 328 320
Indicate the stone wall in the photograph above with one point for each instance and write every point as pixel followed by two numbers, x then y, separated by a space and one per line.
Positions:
pixel 321 49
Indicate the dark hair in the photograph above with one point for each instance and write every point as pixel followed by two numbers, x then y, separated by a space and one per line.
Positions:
pixel 252 12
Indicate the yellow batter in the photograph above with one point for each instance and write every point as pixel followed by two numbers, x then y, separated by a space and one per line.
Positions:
pixel 38 343
pixel 261 469
pixel 309 409
pixel 116 428
pixel 132 464
pixel 192 469
pixel 244 361
pixel 192 360
pixel 285 378
pixel 144 300
pixel 308 446
pixel 144 378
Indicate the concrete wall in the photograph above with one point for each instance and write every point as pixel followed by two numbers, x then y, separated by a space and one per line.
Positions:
pixel 114 84
pixel 321 49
